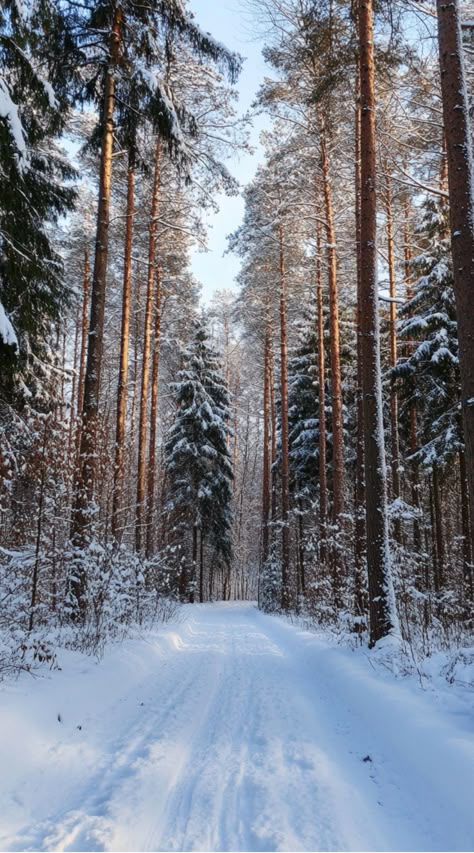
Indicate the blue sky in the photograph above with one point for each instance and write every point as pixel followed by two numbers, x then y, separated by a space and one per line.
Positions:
pixel 229 23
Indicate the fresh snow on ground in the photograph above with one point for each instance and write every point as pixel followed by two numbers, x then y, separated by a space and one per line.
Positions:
pixel 232 730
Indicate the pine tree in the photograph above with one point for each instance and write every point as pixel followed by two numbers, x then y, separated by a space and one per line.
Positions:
pixel 198 463
pixel 127 80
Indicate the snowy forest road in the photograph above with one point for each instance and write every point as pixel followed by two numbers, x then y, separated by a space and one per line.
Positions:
pixel 230 730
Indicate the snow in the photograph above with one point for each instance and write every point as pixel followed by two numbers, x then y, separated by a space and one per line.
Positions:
pixel 7 332
pixel 9 111
pixel 233 730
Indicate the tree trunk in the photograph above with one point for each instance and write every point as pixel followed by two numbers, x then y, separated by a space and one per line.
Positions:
pixel 395 444
pixel 336 390
pixel 84 487
pixel 119 467
pixel 153 418
pixel 322 404
pixel 360 537
pixel 285 485
pixel 273 422
pixel 39 532
pixel 73 406
pixel 201 568
pixel 266 450
pixel 142 428
pixel 383 618
pixel 83 353
pixel 439 533
pixel 302 572
pixel 458 131
pixel 466 539
pixel 194 562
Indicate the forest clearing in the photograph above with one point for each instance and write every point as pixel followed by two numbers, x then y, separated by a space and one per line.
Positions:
pixel 236 425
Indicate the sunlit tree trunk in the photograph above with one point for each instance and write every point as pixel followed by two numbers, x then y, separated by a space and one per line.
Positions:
pixel 83 348
pixel 142 428
pixel 383 617
pixel 285 484
pixel 119 467
pixel 266 449
pixel 458 132
pixel 336 389
pixel 84 487
pixel 322 403
pixel 395 444
pixel 153 417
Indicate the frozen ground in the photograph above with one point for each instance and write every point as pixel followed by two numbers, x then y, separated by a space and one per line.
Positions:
pixel 232 730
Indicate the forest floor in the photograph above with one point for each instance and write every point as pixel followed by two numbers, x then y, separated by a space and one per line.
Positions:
pixel 233 730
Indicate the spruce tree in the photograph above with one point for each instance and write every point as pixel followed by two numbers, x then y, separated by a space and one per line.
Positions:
pixel 428 372
pixel 34 94
pixel 198 464
pixel 303 401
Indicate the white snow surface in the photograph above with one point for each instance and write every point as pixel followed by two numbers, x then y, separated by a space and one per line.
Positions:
pixel 232 730
pixel 7 332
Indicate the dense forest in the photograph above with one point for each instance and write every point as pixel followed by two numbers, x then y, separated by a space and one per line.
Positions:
pixel 305 439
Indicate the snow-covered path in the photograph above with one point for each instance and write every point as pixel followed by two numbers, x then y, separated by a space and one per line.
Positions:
pixel 231 730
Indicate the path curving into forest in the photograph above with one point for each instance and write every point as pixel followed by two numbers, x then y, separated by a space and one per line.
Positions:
pixel 232 730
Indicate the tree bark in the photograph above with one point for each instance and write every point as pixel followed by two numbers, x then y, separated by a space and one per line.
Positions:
pixel 273 423
pixel 383 619
pixel 360 537
pixel 142 428
pixel 336 390
pixel 119 467
pixel 395 444
pixel 322 404
pixel 83 352
pixel 194 563
pixel 466 539
pixel 266 450
pixel 84 485
pixel 439 533
pixel 201 568
pixel 73 406
pixel 457 127
pixel 285 483
pixel 153 418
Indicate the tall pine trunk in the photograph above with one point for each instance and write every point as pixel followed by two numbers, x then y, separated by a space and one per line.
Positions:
pixel 382 611
pixel 457 126
pixel 142 428
pixel 395 444
pixel 336 390
pixel 360 537
pixel 119 467
pixel 466 539
pixel 84 486
pixel 266 449
pixel 83 348
pixel 155 370
pixel 285 477
pixel 322 403
pixel 273 419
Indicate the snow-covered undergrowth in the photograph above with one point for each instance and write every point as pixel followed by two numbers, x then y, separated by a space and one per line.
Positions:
pixel 123 593
pixel 427 659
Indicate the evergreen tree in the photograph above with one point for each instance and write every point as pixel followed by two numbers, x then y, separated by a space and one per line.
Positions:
pixel 303 403
pixel 198 463
pixel 428 373
pixel 33 192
